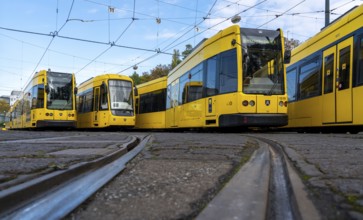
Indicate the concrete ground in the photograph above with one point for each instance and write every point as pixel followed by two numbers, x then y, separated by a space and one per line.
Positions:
pixel 177 174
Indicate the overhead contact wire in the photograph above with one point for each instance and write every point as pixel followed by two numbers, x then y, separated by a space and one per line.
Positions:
pixel 51 41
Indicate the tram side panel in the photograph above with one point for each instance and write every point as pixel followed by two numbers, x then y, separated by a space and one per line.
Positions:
pixel 150 104
pixel 325 77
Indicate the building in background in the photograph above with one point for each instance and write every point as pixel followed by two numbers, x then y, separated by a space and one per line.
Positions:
pixel 15 95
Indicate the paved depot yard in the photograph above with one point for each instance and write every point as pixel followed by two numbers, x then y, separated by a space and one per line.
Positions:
pixel 178 173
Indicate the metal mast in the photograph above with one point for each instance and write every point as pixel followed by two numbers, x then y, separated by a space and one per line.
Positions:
pixel 327 12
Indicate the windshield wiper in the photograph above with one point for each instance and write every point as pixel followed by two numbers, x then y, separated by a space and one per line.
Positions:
pixel 272 88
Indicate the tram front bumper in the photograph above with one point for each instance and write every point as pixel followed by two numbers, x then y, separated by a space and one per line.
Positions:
pixel 253 120
pixel 56 124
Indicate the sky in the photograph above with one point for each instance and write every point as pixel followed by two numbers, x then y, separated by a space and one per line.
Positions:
pixel 93 37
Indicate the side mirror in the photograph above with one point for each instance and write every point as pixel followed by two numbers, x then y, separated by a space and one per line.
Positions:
pixel 103 86
pixel 75 91
pixel 46 88
pixel 136 92
pixel 287 56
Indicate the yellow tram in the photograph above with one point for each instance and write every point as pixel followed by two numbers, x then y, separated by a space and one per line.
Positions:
pixel 47 101
pixel 325 78
pixel 106 101
pixel 236 78
pixel 9 120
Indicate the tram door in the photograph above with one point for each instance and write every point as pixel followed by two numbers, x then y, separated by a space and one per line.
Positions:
pixel 96 106
pixel 337 83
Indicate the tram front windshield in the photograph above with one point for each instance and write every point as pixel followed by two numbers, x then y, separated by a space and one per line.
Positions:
pixel 60 90
pixel 262 62
pixel 121 97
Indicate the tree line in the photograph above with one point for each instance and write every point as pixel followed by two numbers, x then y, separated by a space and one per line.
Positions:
pixel 162 69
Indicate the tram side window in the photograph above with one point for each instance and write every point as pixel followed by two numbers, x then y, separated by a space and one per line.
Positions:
pixel 137 106
pixel 344 68
pixel 34 96
pixel 172 98
pixel 80 104
pixel 19 109
pixel 88 102
pixel 211 87
pixel 360 62
pixel 195 85
pixel 174 93
pixel 291 84
pixel 27 103
pixel 309 79
pixel 183 88
pixel 152 102
pixel 85 101
pixel 228 72
pixel 168 97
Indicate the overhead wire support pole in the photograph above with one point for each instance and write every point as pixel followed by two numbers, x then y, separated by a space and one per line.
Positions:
pixel 327 12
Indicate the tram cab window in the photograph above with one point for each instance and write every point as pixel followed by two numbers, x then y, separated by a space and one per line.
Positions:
pixel 103 95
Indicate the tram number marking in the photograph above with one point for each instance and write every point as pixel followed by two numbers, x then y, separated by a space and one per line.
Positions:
pixel 344 66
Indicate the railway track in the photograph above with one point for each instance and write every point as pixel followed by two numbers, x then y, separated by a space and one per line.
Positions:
pixel 267 187
pixel 54 195
pixel 271 189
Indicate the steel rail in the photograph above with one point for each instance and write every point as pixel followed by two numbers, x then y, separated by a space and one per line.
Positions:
pixel 282 202
pixel 55 195
pixel 266 187
pixel 288 197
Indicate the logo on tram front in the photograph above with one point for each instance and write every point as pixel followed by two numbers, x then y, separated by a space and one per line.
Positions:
pixel 267 102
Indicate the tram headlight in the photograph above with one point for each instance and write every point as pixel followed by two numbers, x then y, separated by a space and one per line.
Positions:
pixel 283 103
pixel 252 103
pixel 47 114
pixel 245 103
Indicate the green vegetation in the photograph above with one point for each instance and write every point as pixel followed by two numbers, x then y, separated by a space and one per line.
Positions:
pixel 161 70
